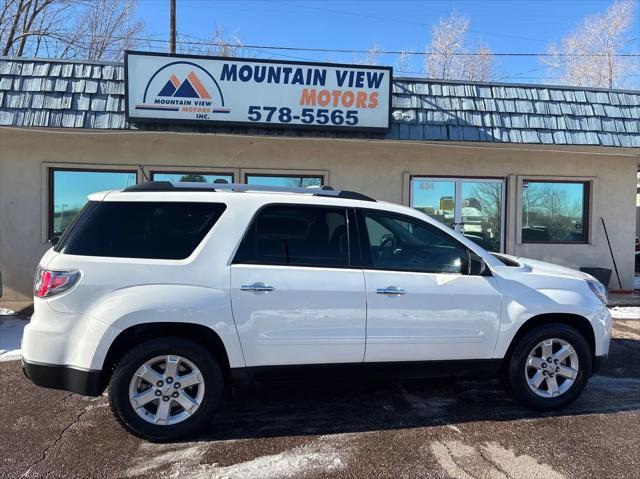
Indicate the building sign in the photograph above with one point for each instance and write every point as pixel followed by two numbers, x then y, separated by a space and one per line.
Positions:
pixel 238 91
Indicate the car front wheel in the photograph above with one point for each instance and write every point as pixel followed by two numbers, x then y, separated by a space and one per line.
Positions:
pixel 549 367
pixel 165 389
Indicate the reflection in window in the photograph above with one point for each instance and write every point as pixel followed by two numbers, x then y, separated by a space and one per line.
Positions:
pixel 291 181
pixel 554 211
pixel 71 188
pixel 179 177
pixel 481 213
pixel 435 198
pixel 471 207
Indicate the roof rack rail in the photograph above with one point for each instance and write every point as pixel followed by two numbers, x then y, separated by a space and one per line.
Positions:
pixel 325 191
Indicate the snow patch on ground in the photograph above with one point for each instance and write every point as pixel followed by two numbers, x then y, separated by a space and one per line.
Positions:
pixel 320 456
pixel 626 329
pixel 167 460
pixel 490 460
pixel 292 463
pixel 10 338
pixel 625 312
pixel 7 312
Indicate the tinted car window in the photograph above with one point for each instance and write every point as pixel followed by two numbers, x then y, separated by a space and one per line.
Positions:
pixel 297 235
pixel 401 243
pixel 159 230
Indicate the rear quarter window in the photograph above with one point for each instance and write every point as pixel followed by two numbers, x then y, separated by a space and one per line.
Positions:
pixel 154 230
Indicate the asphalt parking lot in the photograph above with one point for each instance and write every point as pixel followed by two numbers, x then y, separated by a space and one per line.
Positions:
pixel 436 429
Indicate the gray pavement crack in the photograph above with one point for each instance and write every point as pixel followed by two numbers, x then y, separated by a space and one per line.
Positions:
pixel 57 440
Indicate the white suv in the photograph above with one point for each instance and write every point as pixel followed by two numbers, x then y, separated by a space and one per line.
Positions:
pixel 167 293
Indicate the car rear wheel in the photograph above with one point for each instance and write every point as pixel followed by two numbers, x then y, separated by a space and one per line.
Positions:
pixel 166 389
pixel 549 367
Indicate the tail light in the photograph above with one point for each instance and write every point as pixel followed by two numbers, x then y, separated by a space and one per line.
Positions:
pixel 49 283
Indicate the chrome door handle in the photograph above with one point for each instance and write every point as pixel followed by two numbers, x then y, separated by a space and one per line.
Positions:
pixel 391 290
pixel 260 287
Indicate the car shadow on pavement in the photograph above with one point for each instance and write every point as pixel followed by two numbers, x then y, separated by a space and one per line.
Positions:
pixel 331 406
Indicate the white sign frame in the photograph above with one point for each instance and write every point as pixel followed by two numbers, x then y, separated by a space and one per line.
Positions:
pixel 363 88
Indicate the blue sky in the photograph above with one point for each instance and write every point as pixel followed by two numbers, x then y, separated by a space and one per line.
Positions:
pixel 506 26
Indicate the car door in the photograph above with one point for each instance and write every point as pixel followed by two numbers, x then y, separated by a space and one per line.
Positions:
pixel 298 295
pixel 420 305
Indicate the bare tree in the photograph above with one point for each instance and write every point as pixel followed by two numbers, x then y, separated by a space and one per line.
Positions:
pixel 371 56
pixel 94 30
pixel 450 57
pixel 216 44
pixel 23 20
pixel 404 65
pixel 107 29
pixel 481 66
pixel 224 47
pixel 588 56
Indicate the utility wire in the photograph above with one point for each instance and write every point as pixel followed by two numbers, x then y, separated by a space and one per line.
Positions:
pixel 352 51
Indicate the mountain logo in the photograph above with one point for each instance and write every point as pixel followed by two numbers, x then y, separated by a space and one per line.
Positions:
pixel 191 87
pixel 183 90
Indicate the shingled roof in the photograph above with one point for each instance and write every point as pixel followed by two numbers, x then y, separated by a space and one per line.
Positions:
pixel 67 94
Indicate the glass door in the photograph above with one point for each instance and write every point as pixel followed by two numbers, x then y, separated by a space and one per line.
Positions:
pixel 473 207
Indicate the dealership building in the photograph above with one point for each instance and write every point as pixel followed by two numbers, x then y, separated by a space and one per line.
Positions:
pixel 544 172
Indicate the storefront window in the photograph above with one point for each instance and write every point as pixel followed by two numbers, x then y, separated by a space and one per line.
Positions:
pixel 435 198
pixel 554 211
pixel 481 212
pixel 293 181
pixel 69 190
pixel 473 207
pixel 191 177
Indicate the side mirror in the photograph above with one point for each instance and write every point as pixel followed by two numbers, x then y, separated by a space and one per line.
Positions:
pixel 477 266
pixel 54 240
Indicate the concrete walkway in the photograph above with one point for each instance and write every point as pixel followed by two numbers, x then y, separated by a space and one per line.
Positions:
pixel 616 299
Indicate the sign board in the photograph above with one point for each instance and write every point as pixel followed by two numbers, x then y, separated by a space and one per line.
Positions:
pixel 248 92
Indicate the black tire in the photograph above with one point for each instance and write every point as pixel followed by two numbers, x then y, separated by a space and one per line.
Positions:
pixel 516 381
pixel 134 359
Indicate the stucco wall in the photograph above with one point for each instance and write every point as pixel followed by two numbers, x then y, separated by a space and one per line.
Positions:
pixel 376 168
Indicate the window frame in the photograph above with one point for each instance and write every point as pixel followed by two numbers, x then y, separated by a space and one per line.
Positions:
pixel 587 208
pixel 323 175
pixel 505 221
pixel 354 254
pixel 50 188
pixel 365 246
pixel 149 171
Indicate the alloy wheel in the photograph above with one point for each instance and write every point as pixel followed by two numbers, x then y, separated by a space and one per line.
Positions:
pixel 551 368
pixel 166 390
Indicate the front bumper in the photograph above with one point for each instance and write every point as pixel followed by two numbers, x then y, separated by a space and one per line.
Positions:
pixel 87 383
